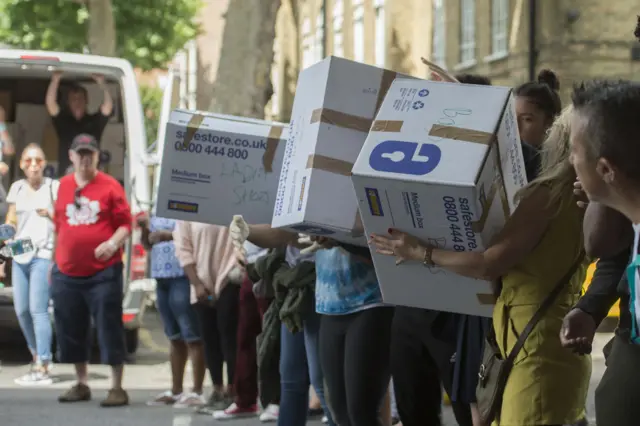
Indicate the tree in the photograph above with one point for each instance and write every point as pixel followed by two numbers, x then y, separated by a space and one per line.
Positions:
pixel 151 98
pixel 243 82
pixel 147 33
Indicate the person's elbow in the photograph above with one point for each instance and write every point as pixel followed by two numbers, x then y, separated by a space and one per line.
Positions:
pixel 599 245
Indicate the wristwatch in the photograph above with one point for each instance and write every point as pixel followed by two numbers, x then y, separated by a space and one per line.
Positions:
pixel 427 261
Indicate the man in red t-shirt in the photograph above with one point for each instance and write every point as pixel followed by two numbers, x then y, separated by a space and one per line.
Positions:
pixel 92 222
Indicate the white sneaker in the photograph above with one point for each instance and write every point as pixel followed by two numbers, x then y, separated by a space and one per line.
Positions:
pixel 164 398
pixel 270 414
pixel 190 400
pixel 34 378
pixel 325 420
pixel 235 412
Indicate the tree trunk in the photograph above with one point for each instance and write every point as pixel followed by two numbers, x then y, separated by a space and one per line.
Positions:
pixel 101 33
pixel 243 84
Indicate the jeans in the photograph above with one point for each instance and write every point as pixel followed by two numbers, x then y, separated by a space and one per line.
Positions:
pixel 174 304
pixel 31 301
pixel 77 301
pixel 299 362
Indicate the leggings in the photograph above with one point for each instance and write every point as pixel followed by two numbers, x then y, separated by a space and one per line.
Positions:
pixel 354 355
pixel 219 328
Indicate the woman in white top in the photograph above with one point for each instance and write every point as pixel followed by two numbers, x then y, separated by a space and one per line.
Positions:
pixel 30 212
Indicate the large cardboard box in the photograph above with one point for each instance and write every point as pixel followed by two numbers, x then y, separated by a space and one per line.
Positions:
pixel 215 167
pixel 443 162
pixel 335 103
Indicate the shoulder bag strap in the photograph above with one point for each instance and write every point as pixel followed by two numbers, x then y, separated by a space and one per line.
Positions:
pixel 544 307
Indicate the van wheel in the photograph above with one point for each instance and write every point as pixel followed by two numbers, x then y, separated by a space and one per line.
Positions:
pixel 131 340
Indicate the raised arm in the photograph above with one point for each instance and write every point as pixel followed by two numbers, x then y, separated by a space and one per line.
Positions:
pixel 522 232
pixel 606 231
pixel 5 137
pixel 51 99
pixel 107 103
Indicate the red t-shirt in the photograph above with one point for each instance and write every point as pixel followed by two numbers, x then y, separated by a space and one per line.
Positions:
pixel 103 209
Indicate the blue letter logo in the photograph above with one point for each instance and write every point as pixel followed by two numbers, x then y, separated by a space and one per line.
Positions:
pixel 423 93
pixel 405 157
pixel 418 105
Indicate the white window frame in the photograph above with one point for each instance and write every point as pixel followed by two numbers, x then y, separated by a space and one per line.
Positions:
pixel 319 36
pixel 338 20
pixel 307 44
pixel 358 30
pixel 467 31
pixel 439 46
pixel 380 33
pixel 499 27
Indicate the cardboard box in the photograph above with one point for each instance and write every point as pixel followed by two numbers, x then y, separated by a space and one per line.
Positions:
pixel 213 168
pixel 335 103
pixel 443 162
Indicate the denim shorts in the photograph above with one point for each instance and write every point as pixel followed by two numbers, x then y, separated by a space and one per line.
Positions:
pixel 79 300
pixel 174 304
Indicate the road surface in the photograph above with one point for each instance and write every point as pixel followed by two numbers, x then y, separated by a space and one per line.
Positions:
pixel 147 375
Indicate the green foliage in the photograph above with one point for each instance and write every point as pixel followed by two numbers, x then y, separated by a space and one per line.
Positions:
pixel 148 33
pixel 151 104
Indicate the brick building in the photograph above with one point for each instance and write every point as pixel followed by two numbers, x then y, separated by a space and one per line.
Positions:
pixel 579 39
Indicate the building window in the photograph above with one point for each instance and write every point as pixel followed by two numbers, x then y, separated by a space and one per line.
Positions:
pixel 439 36
pixel 381 33
pixel 338 17
pixel 499 26
pixel 358 30
pixel 467 31
pixel 319 38
pixel 307 44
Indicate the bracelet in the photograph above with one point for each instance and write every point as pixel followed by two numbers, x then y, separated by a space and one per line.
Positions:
pixel 427 260
pixel 113 244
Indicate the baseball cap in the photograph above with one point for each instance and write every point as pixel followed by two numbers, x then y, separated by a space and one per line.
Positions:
pixel 84 142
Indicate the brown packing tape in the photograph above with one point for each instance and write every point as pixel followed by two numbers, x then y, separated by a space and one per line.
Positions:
pixel 340 119
pixel 385 84
pixel 273 139
pixel 391 126
pixel 328 164
pixel 486 298
pixel 461 134
pixel 192 128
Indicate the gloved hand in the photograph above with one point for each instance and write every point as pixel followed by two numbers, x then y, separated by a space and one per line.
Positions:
pixel 308 240
pixel 239 231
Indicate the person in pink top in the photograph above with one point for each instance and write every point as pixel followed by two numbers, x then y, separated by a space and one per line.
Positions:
pixel 210 262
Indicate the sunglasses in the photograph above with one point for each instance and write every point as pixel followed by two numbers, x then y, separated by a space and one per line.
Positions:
pixel 76 198
pixel 33 160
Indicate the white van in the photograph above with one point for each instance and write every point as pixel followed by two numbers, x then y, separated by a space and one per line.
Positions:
pixel 24 78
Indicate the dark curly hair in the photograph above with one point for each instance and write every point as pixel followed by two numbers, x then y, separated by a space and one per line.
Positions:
pixel 543 93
